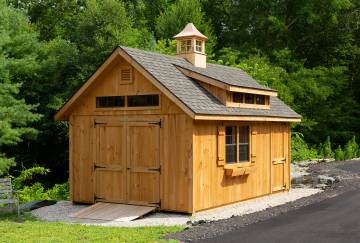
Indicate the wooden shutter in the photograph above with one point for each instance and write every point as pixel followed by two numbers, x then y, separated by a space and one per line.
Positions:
pixel 253 145
pixel 221 146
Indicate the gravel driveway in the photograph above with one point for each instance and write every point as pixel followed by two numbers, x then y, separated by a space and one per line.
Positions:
pixel 62 210
pixel 347 171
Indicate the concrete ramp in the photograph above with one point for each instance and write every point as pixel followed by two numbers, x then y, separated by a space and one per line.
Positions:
pixel 113 212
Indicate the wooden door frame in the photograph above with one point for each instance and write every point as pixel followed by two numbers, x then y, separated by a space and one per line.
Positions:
pixel 285 152
pixel 125 123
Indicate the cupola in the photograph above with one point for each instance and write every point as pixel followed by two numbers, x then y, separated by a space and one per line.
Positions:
pixel 191 45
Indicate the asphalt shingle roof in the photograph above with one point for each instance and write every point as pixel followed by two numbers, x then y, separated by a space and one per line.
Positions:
pixel 193 95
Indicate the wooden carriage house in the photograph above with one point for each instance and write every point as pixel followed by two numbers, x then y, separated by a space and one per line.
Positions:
pixel 175 131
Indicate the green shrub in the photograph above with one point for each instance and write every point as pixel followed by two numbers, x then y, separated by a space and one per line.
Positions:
pixel 339 154
pixel 29 190
pixel 300 150
pixel 27 175
pixel 325 149
pixel 59 192
pixel 351 149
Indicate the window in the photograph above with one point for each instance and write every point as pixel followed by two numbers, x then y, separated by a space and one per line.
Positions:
pixel 143 100
pixel 230 144
pixel 238 97
pixel 185 46
pixel 243 144
pixel 260 99
pixel 110 101
pixel 249 98
pixel 198 46
pixel 237 147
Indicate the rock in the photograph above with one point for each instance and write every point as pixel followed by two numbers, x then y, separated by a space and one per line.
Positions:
pixel 321 186
pixel 322 179
pixel 36 204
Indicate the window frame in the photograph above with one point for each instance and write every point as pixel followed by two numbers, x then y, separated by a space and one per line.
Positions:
pixel 138 95
pixel 98 101
pixel 126 107
pixel 185 46
pixel 198 46
pixel 239 163
pixel 233 102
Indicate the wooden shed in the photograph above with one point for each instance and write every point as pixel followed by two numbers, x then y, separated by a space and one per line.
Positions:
pixel 175 131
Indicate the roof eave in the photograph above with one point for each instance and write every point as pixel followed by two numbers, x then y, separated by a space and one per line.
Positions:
pixel 246 118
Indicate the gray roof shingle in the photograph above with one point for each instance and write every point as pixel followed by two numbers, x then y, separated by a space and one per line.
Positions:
pixel 193 95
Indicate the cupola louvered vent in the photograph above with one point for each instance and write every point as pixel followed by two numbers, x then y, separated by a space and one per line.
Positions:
pixel 126 75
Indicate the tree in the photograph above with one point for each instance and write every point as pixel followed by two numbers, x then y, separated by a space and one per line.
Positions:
pixel 17 41
pixel 100 27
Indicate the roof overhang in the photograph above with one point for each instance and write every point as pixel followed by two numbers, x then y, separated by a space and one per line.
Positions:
pixel 246 118
pixel 222 85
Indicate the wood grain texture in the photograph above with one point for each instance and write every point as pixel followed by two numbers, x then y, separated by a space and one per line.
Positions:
pixel 126 155
pixel 120 132
pixel 213 188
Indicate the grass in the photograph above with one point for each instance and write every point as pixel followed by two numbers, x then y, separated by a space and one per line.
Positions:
pixel 27 229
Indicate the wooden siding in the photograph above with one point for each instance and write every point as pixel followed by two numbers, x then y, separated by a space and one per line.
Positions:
pixel 219 93
pixel 212 187
pixel 175 138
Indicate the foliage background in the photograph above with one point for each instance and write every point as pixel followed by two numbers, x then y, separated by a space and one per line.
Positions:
pixel 308 50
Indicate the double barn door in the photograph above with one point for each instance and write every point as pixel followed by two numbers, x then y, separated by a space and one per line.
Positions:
pixel 127 163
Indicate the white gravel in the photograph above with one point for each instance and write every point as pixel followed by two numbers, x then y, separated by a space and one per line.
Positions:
pixel 62 210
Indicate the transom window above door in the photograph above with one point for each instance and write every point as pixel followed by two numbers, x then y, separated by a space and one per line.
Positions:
pixel 237 147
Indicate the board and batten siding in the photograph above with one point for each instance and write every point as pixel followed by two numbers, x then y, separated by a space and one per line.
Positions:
pixel 176 137
pixel 212 187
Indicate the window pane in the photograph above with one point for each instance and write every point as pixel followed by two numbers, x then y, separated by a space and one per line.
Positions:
pixel 143 100
pixel 244 144
pixel 260 99
pixel 188 45
pixel 183 46
pixel 110 101
pixel 231 138
pixel 244 134
pixel 249 98
pixel 243 153
pixel 238 97
pixel 198 46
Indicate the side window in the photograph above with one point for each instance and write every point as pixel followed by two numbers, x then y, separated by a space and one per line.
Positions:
pixel 230 144
pixel 243 144
pixel 198 46
pixel 143 100
pixel 237 144
pixel 110 101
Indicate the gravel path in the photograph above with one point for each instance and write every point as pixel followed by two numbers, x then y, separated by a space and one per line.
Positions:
pixel 347 171
pixel 62 210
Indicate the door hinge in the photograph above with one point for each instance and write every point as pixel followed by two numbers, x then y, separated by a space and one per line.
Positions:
pixel 156 123
pixel 97 198
pixel 99 167
pixel 155 169
pixel 98 122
